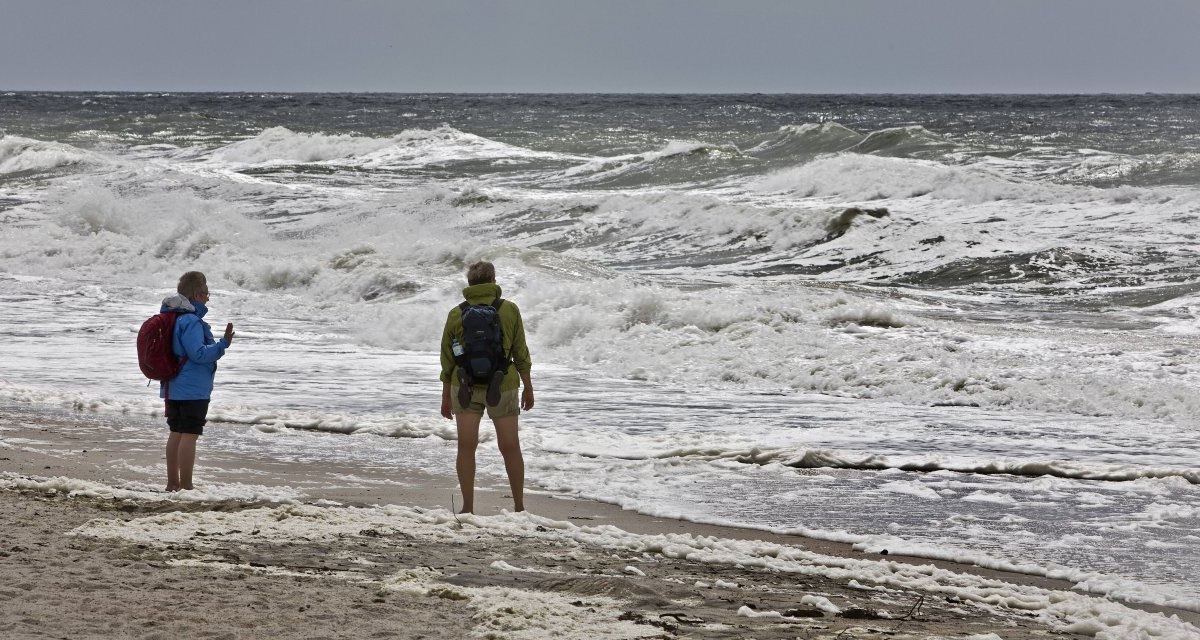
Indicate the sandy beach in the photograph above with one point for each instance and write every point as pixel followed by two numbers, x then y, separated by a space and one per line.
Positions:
pixel 89 553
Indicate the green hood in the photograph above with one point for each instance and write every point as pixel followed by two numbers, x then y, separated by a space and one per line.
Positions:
pixel 481 293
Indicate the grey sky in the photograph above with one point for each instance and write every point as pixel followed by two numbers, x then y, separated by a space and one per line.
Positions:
pixel 776 46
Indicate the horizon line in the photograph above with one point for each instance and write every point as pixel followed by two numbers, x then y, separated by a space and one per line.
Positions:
pixel 4 91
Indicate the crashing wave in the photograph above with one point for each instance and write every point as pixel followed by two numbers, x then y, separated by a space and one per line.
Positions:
pixel 797 142
pixel 413 147
pixel 26 155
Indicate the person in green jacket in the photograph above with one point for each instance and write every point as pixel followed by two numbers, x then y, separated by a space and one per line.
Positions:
pixel 482 289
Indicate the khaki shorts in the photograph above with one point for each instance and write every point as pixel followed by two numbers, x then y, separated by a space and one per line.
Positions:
pixel 509 404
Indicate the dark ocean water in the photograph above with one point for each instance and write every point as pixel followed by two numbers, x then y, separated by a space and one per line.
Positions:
pixel 615 124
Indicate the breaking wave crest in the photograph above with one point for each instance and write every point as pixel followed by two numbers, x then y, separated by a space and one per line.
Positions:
pixel 27 156
pixel 799 142
pixel 676 162
pixel 904 142
pixel 817 459
pixel 413 147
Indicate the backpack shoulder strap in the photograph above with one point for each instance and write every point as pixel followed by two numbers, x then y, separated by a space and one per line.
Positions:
pixel 464 305
pixel 504 359
pixel 179 325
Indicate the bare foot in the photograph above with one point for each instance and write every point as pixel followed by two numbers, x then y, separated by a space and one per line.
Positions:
pixel 187 488
pixel 172 489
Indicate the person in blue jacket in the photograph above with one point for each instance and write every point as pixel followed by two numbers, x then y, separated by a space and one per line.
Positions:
pixel 187 394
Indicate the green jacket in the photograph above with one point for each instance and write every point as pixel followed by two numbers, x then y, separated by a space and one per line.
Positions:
pixel 512 329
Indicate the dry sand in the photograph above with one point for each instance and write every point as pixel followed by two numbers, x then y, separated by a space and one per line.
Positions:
pixel 197 572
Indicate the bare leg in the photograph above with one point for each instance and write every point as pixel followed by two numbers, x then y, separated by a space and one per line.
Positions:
pixel 173 461
pixel 468 441
pixel 510 447
pixel 187 458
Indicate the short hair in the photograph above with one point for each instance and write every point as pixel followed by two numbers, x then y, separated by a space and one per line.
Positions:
pixel 481 272
pixel 192 285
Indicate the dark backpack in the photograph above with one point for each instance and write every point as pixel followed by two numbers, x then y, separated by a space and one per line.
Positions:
pixel 483 343
pixel 155 354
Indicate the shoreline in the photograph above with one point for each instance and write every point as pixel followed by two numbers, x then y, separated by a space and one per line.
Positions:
pixel 80 448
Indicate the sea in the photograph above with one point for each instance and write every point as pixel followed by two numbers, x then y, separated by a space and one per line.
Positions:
pixel 951 326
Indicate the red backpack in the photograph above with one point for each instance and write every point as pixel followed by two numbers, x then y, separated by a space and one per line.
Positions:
pixel 155 355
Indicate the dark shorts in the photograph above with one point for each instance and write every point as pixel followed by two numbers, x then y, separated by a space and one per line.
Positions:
pixel 187 416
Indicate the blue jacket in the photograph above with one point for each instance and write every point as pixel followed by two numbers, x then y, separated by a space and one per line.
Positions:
pixel 194 339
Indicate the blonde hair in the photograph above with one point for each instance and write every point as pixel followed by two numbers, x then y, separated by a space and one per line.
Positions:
pixel 481 272
pixel 192 285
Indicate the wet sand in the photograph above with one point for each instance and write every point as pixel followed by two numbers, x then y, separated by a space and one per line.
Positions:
pixel 118 560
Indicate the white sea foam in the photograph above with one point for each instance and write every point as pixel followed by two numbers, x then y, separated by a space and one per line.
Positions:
pixel 211 492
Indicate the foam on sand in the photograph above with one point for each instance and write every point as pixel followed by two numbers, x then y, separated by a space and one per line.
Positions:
pixel 1066 611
